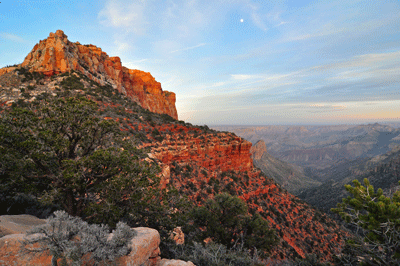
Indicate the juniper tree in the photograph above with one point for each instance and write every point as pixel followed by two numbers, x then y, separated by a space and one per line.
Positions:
pixel 377 218
pixel 62 149
pixel 226 221
pixel 64 152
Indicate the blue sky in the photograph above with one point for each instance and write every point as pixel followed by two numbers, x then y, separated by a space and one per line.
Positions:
pixel 237 61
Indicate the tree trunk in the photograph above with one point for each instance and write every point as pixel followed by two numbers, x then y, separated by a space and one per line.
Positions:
pixel 70 203
pixel 53 261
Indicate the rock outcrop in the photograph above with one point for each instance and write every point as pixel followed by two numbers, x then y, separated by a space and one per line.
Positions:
pixel 144 246
pixel 215 151
pixel 178 236
pixel 258 149
pixel 17 224
pixel 57 54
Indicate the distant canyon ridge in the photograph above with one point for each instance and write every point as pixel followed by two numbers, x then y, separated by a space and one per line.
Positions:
pixel 302 157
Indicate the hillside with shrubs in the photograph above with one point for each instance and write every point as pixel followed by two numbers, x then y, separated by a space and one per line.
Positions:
pixel 70 143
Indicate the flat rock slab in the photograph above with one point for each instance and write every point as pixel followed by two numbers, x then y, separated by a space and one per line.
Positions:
pixel 165 262
pixel 18 224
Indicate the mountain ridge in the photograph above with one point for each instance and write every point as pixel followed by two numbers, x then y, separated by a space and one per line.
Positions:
pixel 57 55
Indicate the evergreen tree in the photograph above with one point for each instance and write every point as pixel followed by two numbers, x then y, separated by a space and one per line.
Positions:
pixel 377 217
pixel 226 221
pixel 62 150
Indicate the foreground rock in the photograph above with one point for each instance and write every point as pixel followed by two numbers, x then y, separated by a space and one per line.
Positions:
pixel 145 249
pixel 18 224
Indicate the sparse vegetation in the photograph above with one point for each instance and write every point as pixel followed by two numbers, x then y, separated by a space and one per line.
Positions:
pixel 69 238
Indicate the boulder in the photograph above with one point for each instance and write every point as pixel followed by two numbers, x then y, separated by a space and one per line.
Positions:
pixel 18 224
pixel 145 248
pixel 12 252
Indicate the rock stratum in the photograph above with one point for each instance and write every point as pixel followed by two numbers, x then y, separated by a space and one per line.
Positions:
pixel 57 54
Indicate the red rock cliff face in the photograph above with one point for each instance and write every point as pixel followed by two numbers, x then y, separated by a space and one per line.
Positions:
pixel 57 54
pixel 215 152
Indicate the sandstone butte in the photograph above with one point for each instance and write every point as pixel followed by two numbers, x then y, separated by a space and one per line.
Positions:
pixel 57 54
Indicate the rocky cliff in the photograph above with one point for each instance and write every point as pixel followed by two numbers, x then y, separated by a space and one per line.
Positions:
pixel 57 54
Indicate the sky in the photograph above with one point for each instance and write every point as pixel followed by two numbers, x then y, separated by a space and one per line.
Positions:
pixel 237 62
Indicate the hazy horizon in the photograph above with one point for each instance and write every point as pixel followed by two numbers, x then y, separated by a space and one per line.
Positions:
pixel 392 124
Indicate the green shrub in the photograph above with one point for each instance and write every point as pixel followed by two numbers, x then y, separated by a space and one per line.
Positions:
pixel 226 221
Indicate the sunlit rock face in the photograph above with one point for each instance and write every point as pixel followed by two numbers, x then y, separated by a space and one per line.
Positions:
pixel 258 149
pixel 57 54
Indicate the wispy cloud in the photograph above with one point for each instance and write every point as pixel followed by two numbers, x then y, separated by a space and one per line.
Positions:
pixel 127 15
pixel 244 77
pixel 12 37
pixel 257 19
pixel 189 48
pixel 327 107
pixel 291 58
pixel 121 46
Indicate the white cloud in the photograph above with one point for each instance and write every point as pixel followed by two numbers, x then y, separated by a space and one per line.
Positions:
pixel 244 77
pixel 258 21
pixel 121 46
pixel 218 84
pixel 326 107
pixel 12 37
pixel 366 60
pixel 341 25
pixel 383 66
pixel 189 48
pixel 127 15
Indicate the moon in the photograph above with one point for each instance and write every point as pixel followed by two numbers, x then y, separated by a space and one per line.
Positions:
pixel 241 20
